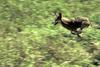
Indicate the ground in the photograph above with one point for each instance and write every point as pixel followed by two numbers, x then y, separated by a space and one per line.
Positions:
pixel 29 39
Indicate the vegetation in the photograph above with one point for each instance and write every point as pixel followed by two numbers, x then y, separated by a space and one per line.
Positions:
pixel 29 39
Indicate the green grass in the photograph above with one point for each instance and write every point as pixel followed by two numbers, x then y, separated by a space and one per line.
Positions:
pixel 29 39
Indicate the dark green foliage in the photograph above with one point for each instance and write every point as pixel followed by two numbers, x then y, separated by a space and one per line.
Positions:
pixel 28 38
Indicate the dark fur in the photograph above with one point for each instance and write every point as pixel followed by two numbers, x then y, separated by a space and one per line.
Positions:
pixel 72 25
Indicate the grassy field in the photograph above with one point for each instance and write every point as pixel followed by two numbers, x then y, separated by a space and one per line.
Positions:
pixel 29 39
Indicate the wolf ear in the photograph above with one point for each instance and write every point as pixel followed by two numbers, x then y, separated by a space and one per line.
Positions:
pixel 60 15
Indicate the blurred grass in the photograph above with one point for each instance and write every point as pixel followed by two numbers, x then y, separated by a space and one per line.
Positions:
pixel 28 38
